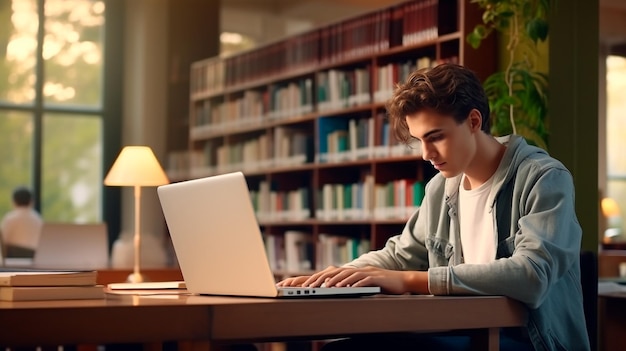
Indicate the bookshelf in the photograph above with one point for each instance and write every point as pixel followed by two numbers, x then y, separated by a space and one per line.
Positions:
pixel 304 119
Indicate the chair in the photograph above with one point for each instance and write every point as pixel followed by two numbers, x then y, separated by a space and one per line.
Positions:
pixel 72 246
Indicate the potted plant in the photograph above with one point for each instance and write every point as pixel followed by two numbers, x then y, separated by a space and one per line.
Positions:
pixel 518 94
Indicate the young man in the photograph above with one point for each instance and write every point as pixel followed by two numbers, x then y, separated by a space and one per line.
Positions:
pixel 21 227
pixel 498 219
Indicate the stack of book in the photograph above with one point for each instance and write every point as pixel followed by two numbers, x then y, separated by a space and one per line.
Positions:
pixel 33 285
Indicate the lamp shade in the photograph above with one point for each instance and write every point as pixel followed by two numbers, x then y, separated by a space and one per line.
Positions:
pixel 136 165
pixel 609 207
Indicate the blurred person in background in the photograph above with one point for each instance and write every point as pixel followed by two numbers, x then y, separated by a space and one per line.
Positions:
pixel 21 227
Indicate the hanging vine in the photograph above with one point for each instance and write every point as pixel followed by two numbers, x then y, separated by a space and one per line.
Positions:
pixel 518 96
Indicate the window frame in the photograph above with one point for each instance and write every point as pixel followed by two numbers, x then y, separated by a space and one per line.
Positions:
pixel 110 110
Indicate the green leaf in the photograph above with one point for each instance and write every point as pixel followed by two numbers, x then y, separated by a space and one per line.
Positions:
pixel 502 23
pixel 527 98
pixel 473 40
pixel 507 13
pixel 481 31
pixel 537 29
pixel 488 16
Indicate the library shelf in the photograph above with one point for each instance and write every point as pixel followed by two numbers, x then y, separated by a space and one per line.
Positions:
pixel 304 119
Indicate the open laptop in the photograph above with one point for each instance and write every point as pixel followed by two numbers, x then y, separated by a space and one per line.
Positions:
pixel 218 242
pixel 72 246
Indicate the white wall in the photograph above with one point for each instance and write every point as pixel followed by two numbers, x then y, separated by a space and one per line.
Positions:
pixel 261 26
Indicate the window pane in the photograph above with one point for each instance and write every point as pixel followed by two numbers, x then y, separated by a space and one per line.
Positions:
pixel 617 190
pixel 16 154
pixel 18 47
pixel 72 52
pixel 615 131
pixel 616 116
pixel 72 168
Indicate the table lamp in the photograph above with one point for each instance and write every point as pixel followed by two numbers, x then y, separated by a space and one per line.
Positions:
pixel 136 166
pixel 612 213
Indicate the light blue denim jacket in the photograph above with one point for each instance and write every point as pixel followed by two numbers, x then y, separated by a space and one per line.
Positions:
pixel 538 252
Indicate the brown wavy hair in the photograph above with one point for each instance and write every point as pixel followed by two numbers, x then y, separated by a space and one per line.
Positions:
pixel 448 89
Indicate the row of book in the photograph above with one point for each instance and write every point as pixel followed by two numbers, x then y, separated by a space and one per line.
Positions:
pixel 254 107
pixel 338 89
pixel 295 54
pixel 273 205
pixel 295 252
pixel 419 22
pixel 244 157
pixel 207 77
pixel 409 23
pixel 335 89
pixel 285 148
pixel 340 139
pixel 388 75
pixel 396 199
pixel 178 163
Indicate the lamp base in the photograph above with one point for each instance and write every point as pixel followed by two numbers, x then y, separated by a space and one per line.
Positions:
pixel 136 278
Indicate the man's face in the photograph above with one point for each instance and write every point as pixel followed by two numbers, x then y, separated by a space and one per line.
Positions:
pixel 450 147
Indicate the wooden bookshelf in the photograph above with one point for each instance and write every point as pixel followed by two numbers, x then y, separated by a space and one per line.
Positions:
pixel 304 119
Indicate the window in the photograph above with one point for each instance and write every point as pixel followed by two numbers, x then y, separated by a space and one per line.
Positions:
pixel 615 131
pixel 52 114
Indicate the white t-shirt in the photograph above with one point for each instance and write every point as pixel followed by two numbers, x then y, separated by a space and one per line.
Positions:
pixel 21 227
pixel 478 237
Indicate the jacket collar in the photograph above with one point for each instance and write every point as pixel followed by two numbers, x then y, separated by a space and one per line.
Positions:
pixel 514 144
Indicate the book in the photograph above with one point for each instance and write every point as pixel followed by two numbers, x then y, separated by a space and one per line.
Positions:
pixel 147 285
pixel 147 288
pixel 40 293
pixel 298 251
pixel 167 293
pixel 35 277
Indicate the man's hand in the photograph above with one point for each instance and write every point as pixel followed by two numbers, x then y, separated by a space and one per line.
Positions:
pixel 390 281
pixel 293 281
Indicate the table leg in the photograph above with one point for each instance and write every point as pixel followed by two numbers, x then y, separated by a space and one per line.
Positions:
pixel 486 339
pixel 612 323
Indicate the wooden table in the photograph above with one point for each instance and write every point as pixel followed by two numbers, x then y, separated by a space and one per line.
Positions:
pixel 612 320
pixel 206 322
